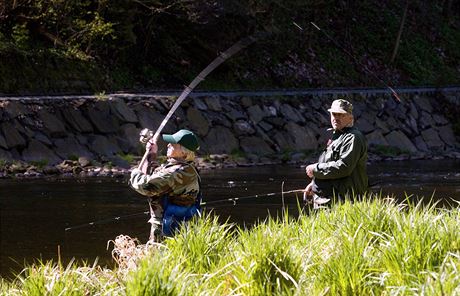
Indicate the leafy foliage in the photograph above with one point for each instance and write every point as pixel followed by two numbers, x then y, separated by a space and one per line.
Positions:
pixel 97 45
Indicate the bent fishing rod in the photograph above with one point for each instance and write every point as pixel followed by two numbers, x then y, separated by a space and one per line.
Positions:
pixel 150 136
pixel 339 46
pixel 239 45
pixel 232 200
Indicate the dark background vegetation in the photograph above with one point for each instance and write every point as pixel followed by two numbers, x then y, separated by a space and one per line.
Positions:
pixel 89 46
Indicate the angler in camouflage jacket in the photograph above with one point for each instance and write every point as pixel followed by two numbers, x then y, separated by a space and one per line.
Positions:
pixel 341 168
pixel 173 188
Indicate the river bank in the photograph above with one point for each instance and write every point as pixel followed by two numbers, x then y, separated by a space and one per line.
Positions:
pixel 84 167
pixel 99 135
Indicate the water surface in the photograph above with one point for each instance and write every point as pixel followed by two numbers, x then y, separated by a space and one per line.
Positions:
pixel 36 212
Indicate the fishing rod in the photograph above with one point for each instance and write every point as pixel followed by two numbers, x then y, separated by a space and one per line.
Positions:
pixel 232 200
pixel 338 45
pixel 239 45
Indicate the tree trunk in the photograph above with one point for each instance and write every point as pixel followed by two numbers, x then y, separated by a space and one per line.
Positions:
pixel 447 9
pixel 398 38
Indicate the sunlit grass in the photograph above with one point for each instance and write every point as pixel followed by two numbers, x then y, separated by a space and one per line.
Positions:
pixel 372 247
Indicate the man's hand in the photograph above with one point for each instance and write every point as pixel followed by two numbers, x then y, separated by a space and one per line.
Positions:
pixel 309 170
pixel 151 147
pixel 308 193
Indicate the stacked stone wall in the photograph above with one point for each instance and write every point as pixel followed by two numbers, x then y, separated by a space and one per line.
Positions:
pixel 259 129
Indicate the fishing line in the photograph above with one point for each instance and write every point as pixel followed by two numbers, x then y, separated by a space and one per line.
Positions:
pixel 233 200
pixel 338 45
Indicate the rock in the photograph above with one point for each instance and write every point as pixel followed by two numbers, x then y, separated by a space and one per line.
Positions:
pixel 423 103
pixel 3 142
pixel 255 145
pixel 5 154
pixel 303 137
pixel 84 161
pixel 246 102
pixel 68 148
pixel 447 134
pixel 37 151
pixel 401 141
pixel 420 144
pixel 151 119
pixel 291 114
pixel 265 126
pixel 431 138
pixel 256 114
pixel 102 118
pixel 222 140
pixel 101 145
pixel 426 121
pixel 234 114
pixel 278 122
pixel 364 125
pixel 76 120
pixel 119 108
pixel 242 127
pixel 199 104
pixel 213 103
pixel 11 136
pixel 283 141
pixel 52 125
pixel 197 122
pixel 270 111
pixel 376 138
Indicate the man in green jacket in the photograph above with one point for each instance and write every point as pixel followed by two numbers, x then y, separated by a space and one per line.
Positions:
pixel 341 168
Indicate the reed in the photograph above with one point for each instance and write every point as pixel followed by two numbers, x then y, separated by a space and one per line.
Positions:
pixel 372 247
pixel 52 278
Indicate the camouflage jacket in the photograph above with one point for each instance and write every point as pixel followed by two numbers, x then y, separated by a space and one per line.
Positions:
pixel 179 180
pixel 341 167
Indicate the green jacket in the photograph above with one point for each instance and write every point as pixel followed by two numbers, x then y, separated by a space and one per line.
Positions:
pixel 179 180
pixel 341 167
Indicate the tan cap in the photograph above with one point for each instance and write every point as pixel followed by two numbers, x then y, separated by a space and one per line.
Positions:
pixel 341 106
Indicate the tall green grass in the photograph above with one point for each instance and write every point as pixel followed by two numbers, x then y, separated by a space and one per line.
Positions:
pixel 372 247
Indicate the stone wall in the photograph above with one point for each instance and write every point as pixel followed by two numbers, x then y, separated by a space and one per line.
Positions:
pixel 258 128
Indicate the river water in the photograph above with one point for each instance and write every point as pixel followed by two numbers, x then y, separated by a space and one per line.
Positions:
pixel 35 213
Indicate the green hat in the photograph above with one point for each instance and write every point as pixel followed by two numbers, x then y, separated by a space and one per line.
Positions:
pixel 341 106
pixel 183 137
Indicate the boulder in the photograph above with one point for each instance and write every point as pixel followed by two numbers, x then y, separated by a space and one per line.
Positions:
pixel 303 137
pixel 69 147
pixel 220 140
pixel 255 145
pixel 423 103
pixel 102 118
pixel 76 121
pixel 197 121
pixel 119 109
pixel 431 138
pixel 291 114
pixel 447 134
pixel 376 138
pixel 37 151
pixel 400 140
pixel 103 146
pixel 256 114
pixel 151 119
pixel 11 136
pixel 52 125
pixel 242 127
pixel 213 103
